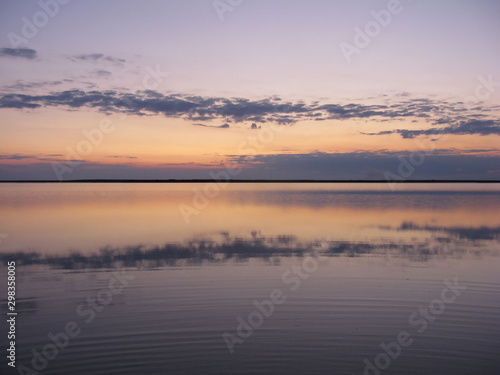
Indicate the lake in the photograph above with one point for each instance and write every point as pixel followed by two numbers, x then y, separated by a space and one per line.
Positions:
pixel 253 278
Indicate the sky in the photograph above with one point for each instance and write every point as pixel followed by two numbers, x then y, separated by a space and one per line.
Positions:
pixel 250 89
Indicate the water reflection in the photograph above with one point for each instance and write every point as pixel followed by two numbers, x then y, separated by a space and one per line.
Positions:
pixel 442 242
pixel 481 233
pixel 51 219
pixel 384 255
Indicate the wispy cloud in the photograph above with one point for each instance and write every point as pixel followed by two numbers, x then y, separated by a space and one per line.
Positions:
pixel 21 53
pixel 480 127
pixel 38 158
pixel 93 57
pixel 122 157
pixel 225 126
pixel 101 73
pixel 21 85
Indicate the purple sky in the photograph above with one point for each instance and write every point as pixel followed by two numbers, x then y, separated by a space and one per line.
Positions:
pixel 356 87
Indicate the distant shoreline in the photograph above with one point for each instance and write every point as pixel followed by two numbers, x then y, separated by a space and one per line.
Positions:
pixel 107 181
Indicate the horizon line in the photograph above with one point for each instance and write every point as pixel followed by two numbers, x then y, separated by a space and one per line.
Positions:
pixel 261 181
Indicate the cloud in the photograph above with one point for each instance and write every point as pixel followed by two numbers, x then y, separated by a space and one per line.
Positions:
pixel 22 53
pixel 101 73
pixel 479 127
pixel 16 157
pixel 442 165
pixel 18 101
pixel 94 57
pixel 454 116
pixel 122 157
pixel 225 126
pixel 22 85
pixel 39 158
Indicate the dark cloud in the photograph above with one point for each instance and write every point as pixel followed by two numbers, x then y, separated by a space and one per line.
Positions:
pixel 16 157
pixel 22 53
pixel 18 101
pixel 39 158
pixel 441 165
pixel 443 117
pixel 96 57
pixel 385 132
pixel 479 127
pixel 225 126
pixel 90 170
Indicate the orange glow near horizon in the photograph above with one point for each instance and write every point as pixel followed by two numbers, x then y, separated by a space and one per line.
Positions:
pixel 155 141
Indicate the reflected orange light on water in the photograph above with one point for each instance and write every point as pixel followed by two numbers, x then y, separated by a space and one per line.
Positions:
pixel 85 217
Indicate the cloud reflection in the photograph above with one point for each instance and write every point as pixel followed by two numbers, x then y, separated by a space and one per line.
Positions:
pixel 223 247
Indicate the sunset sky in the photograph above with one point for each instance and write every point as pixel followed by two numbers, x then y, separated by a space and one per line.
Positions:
pixel 283 89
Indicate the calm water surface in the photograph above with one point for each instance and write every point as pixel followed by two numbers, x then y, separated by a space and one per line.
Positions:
pixel 160 281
